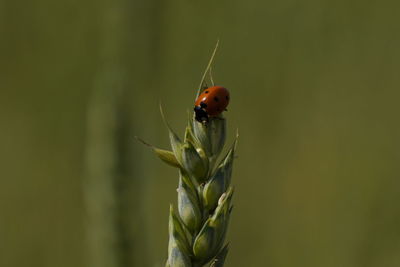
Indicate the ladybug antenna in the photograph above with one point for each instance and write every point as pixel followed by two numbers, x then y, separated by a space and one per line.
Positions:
pixel 207 69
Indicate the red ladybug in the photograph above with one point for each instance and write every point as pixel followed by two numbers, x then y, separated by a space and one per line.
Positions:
pixel 211 102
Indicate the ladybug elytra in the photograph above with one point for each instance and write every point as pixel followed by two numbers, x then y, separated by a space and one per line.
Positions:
pixel 211 102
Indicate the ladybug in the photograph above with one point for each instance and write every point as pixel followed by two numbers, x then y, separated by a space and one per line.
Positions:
pixel 210 103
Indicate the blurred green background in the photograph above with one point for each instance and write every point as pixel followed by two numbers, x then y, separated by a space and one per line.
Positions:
pixel 315 92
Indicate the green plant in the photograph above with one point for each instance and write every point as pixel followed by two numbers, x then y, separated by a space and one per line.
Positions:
pixel 197 231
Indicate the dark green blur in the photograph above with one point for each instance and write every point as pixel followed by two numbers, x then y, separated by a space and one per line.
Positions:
pixel 315 88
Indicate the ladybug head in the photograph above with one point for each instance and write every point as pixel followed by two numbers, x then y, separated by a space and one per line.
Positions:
pixel 200 114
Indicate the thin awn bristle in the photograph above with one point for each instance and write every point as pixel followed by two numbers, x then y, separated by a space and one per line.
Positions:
pixel 207 69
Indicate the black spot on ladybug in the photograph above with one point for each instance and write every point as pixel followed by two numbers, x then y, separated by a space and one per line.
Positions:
pixel 203 105
pixel 216 99
pixel 206 92
pixel 227 97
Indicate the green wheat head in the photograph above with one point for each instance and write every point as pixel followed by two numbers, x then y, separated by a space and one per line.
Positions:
pixel 197 230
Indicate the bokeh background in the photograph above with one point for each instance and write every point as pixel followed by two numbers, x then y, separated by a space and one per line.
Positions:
pixel 315 93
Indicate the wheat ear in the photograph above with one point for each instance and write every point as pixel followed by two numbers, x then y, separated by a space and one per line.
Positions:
pixel 197 231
